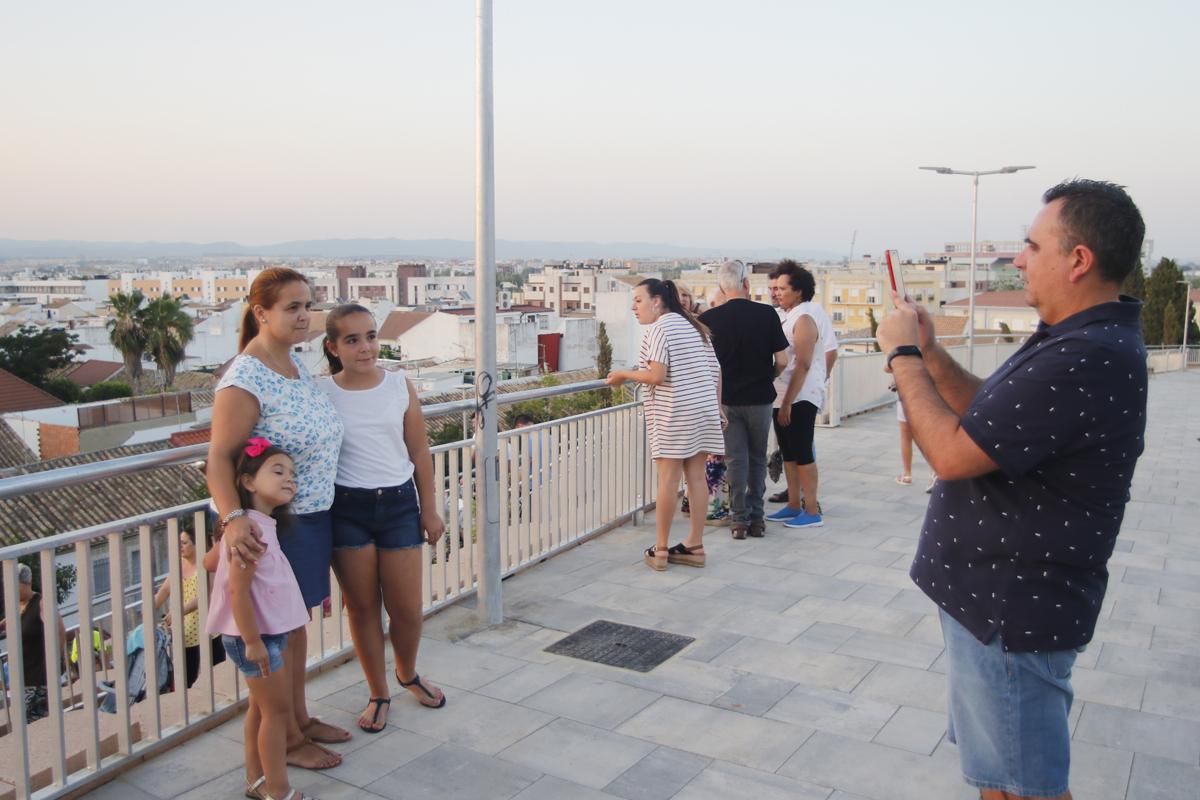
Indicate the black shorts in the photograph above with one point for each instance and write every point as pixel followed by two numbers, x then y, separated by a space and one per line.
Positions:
pixel 796 440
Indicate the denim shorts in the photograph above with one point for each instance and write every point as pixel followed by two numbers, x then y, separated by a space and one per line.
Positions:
pixel 235 648
pixel 308 545
pixel 1008 714
pixel 388 518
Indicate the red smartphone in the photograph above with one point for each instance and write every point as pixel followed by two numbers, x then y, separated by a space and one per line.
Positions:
pixel 895 273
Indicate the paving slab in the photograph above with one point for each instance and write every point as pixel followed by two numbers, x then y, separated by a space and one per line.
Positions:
pixel 723 781
pixel 658 776
pixel 1162 779
pixel 740 738
pixel 449 772
pixel 1121 729
pixel 591 700
pixel 578 753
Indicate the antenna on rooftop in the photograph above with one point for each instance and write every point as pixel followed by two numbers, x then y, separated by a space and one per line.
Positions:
pixel 853 239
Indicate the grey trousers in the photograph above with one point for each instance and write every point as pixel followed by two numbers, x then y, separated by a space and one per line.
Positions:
pixel 746 460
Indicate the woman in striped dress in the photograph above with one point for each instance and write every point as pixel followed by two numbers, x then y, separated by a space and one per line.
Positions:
pixel 684 419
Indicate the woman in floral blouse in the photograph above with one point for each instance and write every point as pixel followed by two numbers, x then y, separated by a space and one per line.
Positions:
pixel 266 392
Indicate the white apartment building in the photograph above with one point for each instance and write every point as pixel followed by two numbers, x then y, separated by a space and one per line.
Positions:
pixel 440 290
pixel 562 289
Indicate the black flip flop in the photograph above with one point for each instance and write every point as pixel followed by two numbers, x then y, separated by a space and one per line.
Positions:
pixel 379 702
pixel 416 681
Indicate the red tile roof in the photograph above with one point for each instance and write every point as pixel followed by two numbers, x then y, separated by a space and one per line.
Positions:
pixel 19 395
pixel 93 371
pixel 400 322
pixel 185 438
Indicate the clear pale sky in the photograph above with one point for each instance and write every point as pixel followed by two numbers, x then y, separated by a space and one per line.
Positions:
pixel 756 123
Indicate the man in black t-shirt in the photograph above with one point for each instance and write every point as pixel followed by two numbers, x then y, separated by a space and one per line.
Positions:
pixel 1034 466
pixel 751 349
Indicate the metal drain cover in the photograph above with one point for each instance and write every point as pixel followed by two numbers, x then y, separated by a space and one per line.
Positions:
pixel 617 645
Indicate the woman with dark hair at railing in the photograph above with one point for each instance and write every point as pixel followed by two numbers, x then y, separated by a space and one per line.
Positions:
pixel 384 509
pixel 683 412
pixel 266 392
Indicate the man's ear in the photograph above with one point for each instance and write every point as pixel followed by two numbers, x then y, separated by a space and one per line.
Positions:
pixel 1083 263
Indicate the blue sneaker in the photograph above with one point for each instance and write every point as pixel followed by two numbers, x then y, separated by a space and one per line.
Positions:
pixel 805 520
pixel 784 514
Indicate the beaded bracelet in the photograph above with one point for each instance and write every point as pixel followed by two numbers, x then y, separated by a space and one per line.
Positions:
pixel 232 515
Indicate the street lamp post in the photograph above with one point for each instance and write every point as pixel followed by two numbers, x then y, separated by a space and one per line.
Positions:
pixel 974 228
pixel 1187 297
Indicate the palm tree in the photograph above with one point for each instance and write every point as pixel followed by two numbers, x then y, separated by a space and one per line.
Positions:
pixel 168 330
pixel 127 332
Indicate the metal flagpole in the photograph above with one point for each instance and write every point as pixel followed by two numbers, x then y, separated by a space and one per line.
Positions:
pixel 487 483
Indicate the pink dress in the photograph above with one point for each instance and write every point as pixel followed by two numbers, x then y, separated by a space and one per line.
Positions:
pixel 278 605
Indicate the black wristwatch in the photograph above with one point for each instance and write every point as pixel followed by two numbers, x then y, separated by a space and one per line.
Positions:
pixel 904 350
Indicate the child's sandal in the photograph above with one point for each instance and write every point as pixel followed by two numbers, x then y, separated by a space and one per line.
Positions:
pixel 255 791
pixel 656 558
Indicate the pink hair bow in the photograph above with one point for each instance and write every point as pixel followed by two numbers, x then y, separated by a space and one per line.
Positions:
pixel 256 446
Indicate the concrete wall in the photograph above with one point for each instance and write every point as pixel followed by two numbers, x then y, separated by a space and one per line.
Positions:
pixel 579 345
pixel 615 310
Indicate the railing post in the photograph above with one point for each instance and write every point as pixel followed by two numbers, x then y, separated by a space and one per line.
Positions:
pixel 16 679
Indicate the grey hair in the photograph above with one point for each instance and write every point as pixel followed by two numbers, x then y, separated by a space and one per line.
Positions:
pixel 24 574
pixel 730 276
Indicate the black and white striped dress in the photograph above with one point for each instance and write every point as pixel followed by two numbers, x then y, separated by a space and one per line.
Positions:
pixel 683 416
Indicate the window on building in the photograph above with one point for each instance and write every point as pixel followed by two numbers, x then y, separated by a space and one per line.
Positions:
pixel 837 298
pixel 100 583
pixel 587 290
pixel 838 316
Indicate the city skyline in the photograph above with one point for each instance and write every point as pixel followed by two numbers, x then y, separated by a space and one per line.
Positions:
pixel 776 127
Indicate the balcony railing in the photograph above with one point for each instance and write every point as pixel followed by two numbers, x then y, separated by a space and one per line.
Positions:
pixel 561 482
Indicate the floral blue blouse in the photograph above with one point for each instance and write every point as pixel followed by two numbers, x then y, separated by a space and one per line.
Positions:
pixel 297 416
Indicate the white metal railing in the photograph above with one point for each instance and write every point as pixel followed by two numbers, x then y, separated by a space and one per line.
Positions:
pixel 563 481
pixel 859 384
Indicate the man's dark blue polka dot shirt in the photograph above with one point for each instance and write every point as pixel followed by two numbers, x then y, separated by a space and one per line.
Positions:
pixel 1022 552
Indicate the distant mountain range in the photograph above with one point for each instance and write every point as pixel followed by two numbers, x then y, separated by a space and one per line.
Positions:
pixel 384 248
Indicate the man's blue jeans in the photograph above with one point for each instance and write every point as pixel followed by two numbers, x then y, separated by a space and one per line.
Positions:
pixel 746 459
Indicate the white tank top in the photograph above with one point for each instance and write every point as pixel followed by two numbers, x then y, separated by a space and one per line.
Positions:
pixel 813 388
pixel 373 453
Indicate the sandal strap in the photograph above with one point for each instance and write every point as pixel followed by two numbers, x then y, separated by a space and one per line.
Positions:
pixel 683 550
pixel 654 550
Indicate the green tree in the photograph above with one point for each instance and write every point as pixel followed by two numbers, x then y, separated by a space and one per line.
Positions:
pixel 64 389
pixel 1135 283
pixel 604 358
pixel 874 323
pixel 127 332
pixel 1172 332
pixel 167 329
pixel 107 390
pixel 450 431
pixel 31 354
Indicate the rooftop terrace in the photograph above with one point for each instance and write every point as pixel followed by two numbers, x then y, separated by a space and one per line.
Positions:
pixel 816 672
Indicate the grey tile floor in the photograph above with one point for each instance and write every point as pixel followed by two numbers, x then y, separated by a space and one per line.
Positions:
pixel 816 670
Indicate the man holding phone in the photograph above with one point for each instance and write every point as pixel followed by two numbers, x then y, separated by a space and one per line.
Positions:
pixel 1034 468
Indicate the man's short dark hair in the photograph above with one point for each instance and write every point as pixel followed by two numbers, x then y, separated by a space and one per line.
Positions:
pixel 522 420
pixel 800 279
pixel 1103 218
